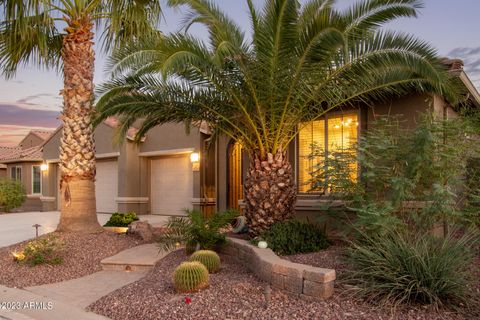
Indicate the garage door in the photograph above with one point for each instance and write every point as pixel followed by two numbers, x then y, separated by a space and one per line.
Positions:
pixel 171 185
pixel 106 186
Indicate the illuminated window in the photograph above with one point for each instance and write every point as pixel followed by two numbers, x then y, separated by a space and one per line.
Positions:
pixel 335 132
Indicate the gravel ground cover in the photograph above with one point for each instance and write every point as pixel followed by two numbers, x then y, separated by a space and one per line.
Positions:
pixel 235 293
pixel 81 256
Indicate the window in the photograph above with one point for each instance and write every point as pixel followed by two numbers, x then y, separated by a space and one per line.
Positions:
pixel 335 132
pixel 36 180
pixel 16 173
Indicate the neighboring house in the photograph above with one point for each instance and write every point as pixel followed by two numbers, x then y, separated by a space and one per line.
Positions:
pixel 171 170
pixel 3 171
pixel 23 163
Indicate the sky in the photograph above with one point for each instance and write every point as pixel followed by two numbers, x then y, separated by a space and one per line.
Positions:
pixel 31 100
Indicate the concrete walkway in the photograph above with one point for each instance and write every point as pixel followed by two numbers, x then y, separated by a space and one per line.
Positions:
pixel 84 291
pixel 79 293
pixel 17 227
pixel 28 305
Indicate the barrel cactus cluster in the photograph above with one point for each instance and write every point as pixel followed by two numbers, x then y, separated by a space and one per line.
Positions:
pixel 208 258
pixel 193 275
pixel 190 276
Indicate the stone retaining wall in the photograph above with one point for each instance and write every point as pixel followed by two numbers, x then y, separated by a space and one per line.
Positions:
pixel 293 278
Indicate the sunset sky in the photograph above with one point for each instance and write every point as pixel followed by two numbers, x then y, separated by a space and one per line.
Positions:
pixel 30 100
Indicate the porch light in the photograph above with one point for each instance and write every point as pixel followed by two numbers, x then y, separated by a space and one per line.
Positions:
pixel 194 157
pixel 44 167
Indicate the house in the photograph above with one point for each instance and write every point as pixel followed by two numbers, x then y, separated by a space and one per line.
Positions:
pixel 3 171
pixel 23 163
pixel 170 170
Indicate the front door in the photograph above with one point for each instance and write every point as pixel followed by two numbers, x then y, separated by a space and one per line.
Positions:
pixel 235 181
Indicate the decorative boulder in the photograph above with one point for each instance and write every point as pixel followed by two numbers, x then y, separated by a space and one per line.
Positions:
pixel 142 228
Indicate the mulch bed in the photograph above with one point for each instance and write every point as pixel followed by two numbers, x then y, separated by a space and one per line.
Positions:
pixel 81 256
pixel 235 293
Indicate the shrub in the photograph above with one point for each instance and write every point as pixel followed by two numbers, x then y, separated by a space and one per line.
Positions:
pixel 208 258
pixel 196 230
pixel 41 251
pixel 121 219
pixel 294 236
pixel 12 194
pixel 401 267
pixel 190 277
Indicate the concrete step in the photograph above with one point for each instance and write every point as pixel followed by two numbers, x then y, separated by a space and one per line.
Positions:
pixel 140 258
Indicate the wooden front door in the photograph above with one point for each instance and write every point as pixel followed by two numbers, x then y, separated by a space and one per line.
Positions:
pixel 235 181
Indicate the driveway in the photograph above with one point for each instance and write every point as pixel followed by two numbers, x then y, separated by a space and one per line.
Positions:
pixel 17 227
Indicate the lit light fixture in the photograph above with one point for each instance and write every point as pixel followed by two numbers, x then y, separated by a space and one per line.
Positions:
pixel 194 157
pixel 336 126
pixel 44 167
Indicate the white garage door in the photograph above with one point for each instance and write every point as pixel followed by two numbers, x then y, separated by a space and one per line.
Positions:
pixel 106 186
pixel 171 185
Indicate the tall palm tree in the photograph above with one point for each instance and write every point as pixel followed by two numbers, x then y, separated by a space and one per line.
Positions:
pixel 30 32
pixel 300 62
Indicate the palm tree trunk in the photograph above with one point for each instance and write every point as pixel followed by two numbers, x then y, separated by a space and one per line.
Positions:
pixel 77 148
pixel 270 192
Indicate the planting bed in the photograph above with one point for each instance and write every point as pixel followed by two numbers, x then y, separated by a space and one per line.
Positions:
pixel 81 256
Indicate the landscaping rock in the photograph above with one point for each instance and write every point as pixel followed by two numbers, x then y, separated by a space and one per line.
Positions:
pixel 141 228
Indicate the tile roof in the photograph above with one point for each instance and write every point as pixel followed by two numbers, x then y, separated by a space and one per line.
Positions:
pixel 8 154
pixel 42 134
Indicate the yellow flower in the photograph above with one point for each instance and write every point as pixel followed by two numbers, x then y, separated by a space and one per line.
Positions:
pixel 18 256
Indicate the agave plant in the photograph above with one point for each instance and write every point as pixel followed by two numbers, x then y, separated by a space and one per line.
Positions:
pixel 196 231
pixel 301 61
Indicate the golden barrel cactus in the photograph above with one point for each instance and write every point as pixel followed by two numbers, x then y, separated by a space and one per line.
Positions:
pixel 190 276
pixel 208 258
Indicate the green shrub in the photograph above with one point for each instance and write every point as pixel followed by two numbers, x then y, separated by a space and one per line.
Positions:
pixel 196 230
pixel 402 267
pixel 208 258
pixel 12 194
pixel 294 236
pixel 190 277
pixel 121 219
pixel 42 251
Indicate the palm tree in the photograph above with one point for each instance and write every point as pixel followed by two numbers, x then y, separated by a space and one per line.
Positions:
pixel 300 62
pixel 31 32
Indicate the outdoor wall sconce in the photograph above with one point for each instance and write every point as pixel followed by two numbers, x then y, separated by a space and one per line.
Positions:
pixel 44 167
pixel 195 159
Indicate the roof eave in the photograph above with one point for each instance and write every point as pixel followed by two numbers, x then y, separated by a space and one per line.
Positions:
pixel 472 90
pixel 21 160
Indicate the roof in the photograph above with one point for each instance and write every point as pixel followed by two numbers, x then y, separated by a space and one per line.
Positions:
pixel 17 154
pixel 44 135
pixel 455 66
pixel 113 122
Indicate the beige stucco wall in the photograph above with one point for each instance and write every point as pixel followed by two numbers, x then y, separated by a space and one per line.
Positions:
pixel 170 137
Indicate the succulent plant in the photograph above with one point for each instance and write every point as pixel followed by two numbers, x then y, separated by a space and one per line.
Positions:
pixel 190 276
pixel 208 258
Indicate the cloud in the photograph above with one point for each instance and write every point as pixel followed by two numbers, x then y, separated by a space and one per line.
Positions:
pixel 471 60
pixel 15 122
pixel 11 135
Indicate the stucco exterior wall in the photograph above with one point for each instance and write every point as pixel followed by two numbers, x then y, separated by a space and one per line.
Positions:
pixel 104 143
pixel 171 137
pixel 3 173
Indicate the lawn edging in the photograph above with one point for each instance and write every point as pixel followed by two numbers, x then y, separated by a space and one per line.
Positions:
pixel 293 278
